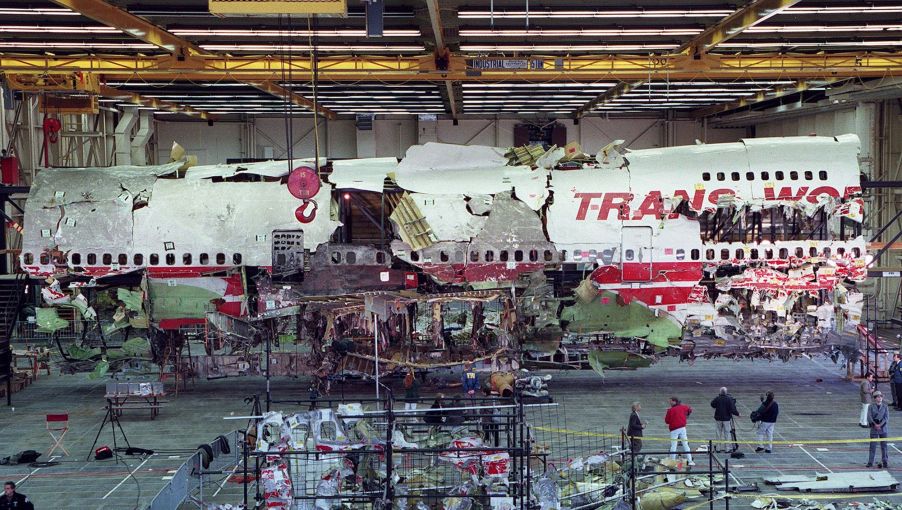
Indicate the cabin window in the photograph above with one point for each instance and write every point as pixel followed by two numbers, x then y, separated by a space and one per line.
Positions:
pixel 778 175
pixel 458 256
pixel 45 259
pixel 709 254
pixel 107 259
pixel 170 259
pixel 122 259
pixel 76 259
pixel 548 256
pixel 706 176
pixel 740 254
pixel 489 256
pixel 695 254
pixel 753 254
pixel 92 259
pixel 735 176
pixel 840 251
pixel 629 254
pixel 822 175
pixel 680 254
pixel 380 257
pixel 443 256
pixel 204 259
pixel 793 175
pixel 800 252
pixel 503 256
pixel 856 252
pixel 809 175
pixel 827 252
pixel 336 256
pixel 750 176
pixel 812 251
pixel 533 255
pixel 784 253
pixel 28 258
pixel 474 256
pixel 769 253
pixel 721 176
pixel 724 254
pixel 186 259
pixel 518 256
pixel 562 255
pixel 236 259
pixel 138 259
pixel 765 176
pixel 350 257
pixel 220 259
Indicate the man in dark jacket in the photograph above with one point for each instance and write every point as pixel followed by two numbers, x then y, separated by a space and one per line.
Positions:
pixel 724 410
pixel 12 500
pixel 635 428
pixel 878 419
pixel 767 414
pixel 895 378
pixel 892 368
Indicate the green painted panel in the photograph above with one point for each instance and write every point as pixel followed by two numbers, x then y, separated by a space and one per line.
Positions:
pixel 603 313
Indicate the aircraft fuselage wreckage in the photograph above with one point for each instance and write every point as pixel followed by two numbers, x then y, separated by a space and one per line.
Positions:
pixel 507 257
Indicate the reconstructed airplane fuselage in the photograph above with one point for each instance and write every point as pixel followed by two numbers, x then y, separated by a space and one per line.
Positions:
pixel 736 240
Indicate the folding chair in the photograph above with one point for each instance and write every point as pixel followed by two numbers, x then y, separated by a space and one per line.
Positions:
pixel 57 426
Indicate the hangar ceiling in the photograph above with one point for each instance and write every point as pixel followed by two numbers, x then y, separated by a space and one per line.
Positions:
pixel 555 58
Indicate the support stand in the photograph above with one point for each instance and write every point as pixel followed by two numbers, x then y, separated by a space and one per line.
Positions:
pixel 113 419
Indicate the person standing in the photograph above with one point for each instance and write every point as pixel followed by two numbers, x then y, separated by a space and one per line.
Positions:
pixel 676 419
pixel 865 390
pixel 896 381
pixel 12 500
pixel 767 414
pixel 634 429
pixel 878 419
pixel 470 380
pixel 411 390
pixel 724 410
pixel 892 368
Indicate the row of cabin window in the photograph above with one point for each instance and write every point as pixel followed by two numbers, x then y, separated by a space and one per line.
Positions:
pixel 137 259
pixel 489 256
pixel 351 257
pixel 783 253
pixel 779 175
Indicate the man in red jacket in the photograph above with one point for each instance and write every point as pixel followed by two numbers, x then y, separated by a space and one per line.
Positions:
pixel 676 420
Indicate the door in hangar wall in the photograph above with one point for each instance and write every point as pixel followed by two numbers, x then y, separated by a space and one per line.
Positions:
pixel 635 254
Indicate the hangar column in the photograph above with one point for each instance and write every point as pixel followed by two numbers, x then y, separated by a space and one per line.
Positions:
pixel 123 135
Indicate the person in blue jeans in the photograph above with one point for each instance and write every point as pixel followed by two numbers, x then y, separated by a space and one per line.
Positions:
pixel 878 419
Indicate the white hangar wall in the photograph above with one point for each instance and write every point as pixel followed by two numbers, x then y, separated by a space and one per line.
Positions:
pixel 266 137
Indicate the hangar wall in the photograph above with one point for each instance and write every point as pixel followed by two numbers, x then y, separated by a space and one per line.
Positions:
pixel 265 137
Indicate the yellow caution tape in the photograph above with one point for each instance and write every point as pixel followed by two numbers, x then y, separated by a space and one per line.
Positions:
pixel 718 441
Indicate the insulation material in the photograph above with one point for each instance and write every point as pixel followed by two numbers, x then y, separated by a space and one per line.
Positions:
pixel 240 215
pixel 446 169
pixel 605 314
pixel 448 217
pixel 412 226
pixel 362 174
pixel 264 168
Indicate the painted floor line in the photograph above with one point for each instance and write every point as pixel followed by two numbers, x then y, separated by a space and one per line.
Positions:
pixel 131 473
pixel 814 458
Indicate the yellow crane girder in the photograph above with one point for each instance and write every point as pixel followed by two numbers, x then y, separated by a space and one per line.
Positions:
pixel 466 69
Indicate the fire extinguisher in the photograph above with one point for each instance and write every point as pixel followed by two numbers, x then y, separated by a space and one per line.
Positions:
pixel 52 128
pixel 9 169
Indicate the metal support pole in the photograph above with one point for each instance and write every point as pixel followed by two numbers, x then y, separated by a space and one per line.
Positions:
pixel 726 483
pixel 710 474
pixel 376 348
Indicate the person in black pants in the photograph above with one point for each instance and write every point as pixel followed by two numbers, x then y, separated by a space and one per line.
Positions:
pixel 895 378
pixel 634 429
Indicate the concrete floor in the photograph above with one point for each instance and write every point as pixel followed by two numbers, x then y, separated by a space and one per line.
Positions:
pixel 815 403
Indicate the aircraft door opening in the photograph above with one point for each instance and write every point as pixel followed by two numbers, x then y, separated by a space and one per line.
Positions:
pixel 635 254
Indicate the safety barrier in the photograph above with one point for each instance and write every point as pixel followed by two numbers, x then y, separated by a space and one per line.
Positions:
pixel 190 479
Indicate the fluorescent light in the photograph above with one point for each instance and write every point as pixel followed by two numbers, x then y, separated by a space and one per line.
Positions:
pixel 35 29
pixel 582 32
pixel 597 13
pixel 306 48
pixel 257 32
pixel 44 11
pixel 77 45
pixel 799 44
pixel 564 48
pixel 792 29
pixel 864 9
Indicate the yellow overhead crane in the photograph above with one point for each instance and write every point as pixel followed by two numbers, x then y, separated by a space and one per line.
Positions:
pixel 462 68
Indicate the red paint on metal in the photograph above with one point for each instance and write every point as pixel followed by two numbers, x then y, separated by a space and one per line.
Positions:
pixel 303 183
